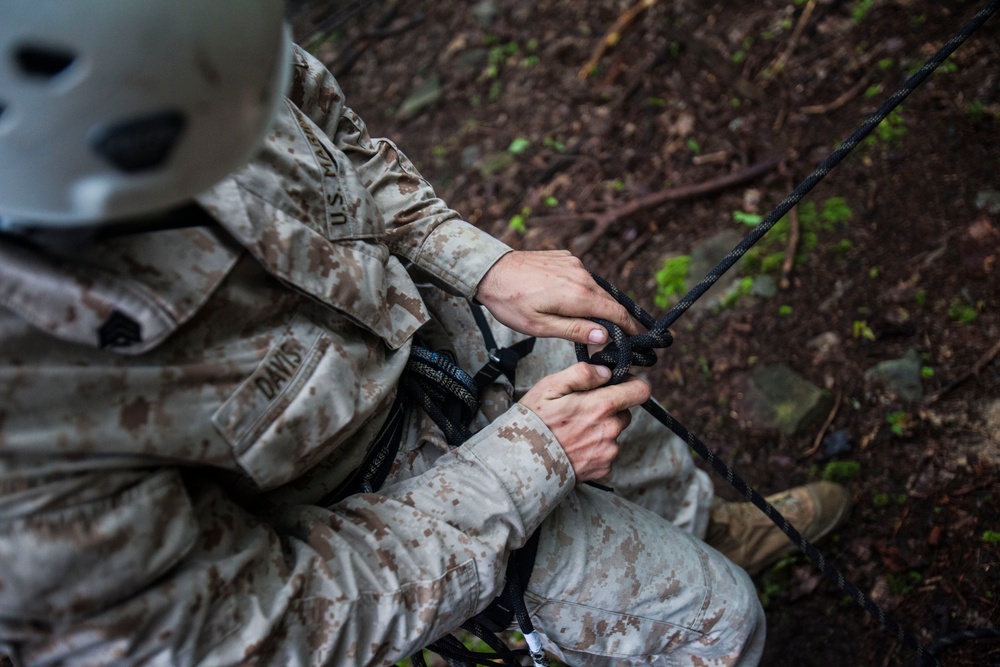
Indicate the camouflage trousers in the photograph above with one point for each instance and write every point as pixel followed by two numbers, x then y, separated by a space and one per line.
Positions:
pixel 623 578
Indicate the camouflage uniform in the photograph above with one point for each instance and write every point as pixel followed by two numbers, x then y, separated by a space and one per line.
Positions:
pixel 174 404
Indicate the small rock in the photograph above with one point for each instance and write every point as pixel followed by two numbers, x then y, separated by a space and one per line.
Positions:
pixel 470 156
pixel 826 346
pixel 484 11
pixel 471 59
pixel 423 97
pixel 764 286
pixel 494 163
pixel 989 201
pixel 704 257
pixel 778 397
pixel 900 376
pixel 837 443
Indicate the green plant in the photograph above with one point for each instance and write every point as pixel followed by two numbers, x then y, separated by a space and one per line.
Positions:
pixel 551 202
pixel 554 144
pixel 903 584
pixel 890 132
pixel 748 219
pixel 519 223
pixel 840 471
pixel 671 280
pixel 785 311
pixel 694 146
pixel 739 57
pixel 975 110
pixel 769 254
pixel 735 292
pixel 880 500
pixel 947 67
pixel 920 297
pixel 860 9
pixel 926 372
pixel 862 330
pixel 873 91
pixel 962 312
pixel 518 145
pixel 991 537
pixel 776 578
pixel 899 421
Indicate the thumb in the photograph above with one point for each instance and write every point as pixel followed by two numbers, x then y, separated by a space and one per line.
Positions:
pixel 582 376
pixel 583 331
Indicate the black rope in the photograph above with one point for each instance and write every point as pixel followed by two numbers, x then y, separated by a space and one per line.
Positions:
pixel 828 164
pixel 450 397
pixel 624 351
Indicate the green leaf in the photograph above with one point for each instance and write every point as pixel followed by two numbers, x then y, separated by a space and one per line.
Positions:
pixel 519 145
pixel 748 219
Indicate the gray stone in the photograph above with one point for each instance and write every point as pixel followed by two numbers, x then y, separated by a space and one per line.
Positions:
pixel 423 97
pixel 778 397
pixel 900 376
pixel 827 346
pixel 704 257
pixel 470 155
pixel 472 59
pixel 494 163
pixel 764 286
pixel 484 11
pixel 989 201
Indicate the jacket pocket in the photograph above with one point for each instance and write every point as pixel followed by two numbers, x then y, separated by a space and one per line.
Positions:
pixel 314 389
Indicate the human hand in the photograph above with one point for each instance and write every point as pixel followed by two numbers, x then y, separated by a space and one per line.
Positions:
pixel 548 293
pixel 586 417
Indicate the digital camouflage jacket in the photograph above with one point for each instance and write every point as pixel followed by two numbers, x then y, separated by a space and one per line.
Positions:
pixel 173 404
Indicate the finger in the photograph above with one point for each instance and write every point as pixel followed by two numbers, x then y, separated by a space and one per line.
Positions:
pixel 625 417
pixel 580 376
pixel 628 394
pixel 595 302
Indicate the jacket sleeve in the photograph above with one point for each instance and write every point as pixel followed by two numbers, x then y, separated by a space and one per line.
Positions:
pixel 423 230
pixel 161 566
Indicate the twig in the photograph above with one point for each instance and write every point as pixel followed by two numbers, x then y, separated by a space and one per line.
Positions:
pixel 614 34
pixel 604 220
pixel 983 361
pixel 820 109
pixel 791 249
pixel 826 425
pixel 782 60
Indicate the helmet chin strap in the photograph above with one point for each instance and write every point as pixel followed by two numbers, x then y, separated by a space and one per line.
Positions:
pixel 66 239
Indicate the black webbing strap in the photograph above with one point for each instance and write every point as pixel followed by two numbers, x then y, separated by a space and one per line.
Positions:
pixel 500 614
pixel 502 361
pixel 370 475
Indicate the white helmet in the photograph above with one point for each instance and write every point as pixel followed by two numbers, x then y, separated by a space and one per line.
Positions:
pixel 117 108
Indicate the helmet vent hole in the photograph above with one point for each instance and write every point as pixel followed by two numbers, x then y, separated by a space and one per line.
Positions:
pixel 43 62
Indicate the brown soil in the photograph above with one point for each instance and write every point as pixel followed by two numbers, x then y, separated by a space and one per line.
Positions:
pixel 690 93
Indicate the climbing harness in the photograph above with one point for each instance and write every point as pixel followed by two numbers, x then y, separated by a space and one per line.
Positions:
pixel 625 351
pixel 449 395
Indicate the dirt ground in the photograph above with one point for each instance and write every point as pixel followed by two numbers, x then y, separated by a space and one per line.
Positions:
pixel 523 146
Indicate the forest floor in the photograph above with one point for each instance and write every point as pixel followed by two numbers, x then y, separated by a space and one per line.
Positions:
pixel 898 248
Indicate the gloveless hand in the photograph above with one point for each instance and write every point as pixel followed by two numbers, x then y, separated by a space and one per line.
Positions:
pixel 584 416
pixel 549 294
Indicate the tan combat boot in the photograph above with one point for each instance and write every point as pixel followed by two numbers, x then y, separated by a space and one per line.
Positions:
pixel 749 539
